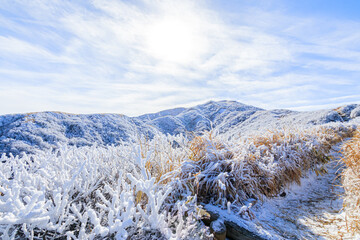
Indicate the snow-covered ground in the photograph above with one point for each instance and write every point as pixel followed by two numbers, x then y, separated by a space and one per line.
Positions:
pixel 310 211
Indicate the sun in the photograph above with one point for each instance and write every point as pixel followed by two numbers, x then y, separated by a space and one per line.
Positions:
pixel 173 39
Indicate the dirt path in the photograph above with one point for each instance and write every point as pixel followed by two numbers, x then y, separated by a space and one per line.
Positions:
pixel 309 211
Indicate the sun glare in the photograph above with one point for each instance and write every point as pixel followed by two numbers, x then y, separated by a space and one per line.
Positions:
pixel 172 39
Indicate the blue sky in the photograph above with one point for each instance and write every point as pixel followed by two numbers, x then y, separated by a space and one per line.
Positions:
pixel 134 57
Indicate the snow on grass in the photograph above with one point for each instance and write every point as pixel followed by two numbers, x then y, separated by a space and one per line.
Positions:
pixel 312 210
pixel 222 171
pixel 89 192
pixel 147 189
pixel 351 183
pixel 309 211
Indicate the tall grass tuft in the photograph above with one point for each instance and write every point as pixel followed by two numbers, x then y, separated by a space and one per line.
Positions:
pixel 260 166
pixel 351 182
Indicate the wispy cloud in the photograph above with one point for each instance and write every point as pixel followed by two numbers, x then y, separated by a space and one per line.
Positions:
pixel 144 56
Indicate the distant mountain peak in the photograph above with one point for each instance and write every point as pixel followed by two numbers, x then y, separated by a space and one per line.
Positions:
pixel 33 132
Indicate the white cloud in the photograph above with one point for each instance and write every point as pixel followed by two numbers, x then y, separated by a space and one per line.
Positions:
pixel 136 57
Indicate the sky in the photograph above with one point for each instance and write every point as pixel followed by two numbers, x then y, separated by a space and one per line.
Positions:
pixel 142 56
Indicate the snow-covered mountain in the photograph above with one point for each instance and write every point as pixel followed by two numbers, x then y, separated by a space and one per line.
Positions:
pixel 202 117
pixel 240 118
pixel 44 130
pixel 143 189
pixel 36 131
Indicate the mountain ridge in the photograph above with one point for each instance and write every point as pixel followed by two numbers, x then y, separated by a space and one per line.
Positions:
pixel 34 132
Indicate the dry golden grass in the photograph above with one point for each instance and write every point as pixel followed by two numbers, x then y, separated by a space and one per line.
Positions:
pixel 351 182
pixel 222 170
pixel 161 158
pixel 200 144
pixel 260 166
pixel 210 167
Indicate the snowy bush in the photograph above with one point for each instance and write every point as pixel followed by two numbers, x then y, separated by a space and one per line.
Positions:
pixel 222 171
pixel 90 192
pixel 152 189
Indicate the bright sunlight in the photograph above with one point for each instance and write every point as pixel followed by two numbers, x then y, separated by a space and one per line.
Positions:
pixel 173 39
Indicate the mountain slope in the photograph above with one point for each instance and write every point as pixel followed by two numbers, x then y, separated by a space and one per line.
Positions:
pixel 37 131
pixel 201 118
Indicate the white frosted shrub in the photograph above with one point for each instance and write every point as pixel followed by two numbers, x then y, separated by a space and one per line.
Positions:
pixel 90 192
pixel 150 189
